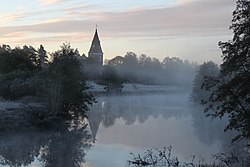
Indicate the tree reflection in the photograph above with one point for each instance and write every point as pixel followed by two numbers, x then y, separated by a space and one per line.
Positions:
pixel 132 109
pixel 56 148
pixel 20 149
pixel 208 130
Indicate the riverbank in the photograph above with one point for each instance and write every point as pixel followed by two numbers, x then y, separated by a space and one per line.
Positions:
pixel 23 114
pixel 131 89
pixel 16 115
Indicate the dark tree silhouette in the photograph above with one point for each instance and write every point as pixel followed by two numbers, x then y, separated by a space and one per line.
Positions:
pixel 17 69
pixel 207 69
pixel 110 79
pixel 17 59
pixel 231 90
pixel 50 149
pixel 68 96
pixel 42 57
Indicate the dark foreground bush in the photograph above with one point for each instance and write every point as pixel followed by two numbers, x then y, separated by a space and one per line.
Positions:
pixel 163 158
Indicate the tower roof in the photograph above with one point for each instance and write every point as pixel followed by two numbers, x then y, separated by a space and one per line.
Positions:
pixel 95 46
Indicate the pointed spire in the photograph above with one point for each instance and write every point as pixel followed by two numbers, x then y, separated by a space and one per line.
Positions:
pixel 96 46
pixel 95 51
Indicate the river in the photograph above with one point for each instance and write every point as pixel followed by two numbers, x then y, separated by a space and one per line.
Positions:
pixel 125 124
pixel 117 126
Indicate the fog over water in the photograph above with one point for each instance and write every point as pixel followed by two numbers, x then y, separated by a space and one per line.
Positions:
pixel 139 122
pixel 118 125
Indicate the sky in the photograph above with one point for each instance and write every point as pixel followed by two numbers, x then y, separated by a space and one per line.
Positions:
pixel 188 29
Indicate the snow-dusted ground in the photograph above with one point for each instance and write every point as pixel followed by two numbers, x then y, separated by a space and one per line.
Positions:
pixel 12 105
pixel 95 88
pixel 8 105
pixel 138 88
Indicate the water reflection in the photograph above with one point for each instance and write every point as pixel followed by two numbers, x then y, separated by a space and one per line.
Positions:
pixel 60 148
pixel 208 130
pixel 132 109
pixel 136 123
pixel 119 125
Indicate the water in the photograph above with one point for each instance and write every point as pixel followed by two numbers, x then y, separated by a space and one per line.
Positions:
pixel 140 122
pixel 119 125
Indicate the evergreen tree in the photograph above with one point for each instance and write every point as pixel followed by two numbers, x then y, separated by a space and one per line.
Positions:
pixel 42 57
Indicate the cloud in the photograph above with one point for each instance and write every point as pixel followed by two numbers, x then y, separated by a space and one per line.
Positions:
pixel 195 18
pixel 15 35
pixel 181 2
pixel 25 38
pixel 8 18
pixel 50 2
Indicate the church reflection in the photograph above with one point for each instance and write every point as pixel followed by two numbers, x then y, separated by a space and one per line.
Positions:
pixel 131 109
pixel 137 109
pixel 69 147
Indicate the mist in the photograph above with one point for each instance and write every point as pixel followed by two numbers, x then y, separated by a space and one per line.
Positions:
pixel 66 108
pixel 147 70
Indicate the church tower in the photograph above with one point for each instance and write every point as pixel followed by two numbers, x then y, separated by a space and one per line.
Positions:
pixel 95 52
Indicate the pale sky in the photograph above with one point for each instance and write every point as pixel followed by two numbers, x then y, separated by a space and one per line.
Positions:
pixel 189 29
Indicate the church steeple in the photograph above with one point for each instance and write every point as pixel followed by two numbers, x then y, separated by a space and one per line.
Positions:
pixel 95 51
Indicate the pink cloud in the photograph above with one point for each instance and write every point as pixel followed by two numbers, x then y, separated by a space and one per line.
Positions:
pixel 49 2
pixel 195 18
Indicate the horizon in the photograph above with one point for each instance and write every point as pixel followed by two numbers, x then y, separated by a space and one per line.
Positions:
pixel 188 29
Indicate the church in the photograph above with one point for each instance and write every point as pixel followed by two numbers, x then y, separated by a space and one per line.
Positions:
pixel 95 53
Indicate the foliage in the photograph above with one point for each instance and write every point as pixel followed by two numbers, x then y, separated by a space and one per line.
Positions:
pixel 60 84
pixel 155 157
pixel 163 158
pixel 17 85
pixel 68 96
pixel 13 60
pixel 148 70
pixel 231 90
pixel 207 69
pixel 20 72
pixel 110 79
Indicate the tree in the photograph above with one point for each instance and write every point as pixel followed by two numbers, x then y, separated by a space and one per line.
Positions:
pixel 231 90
pixel 18 67
pixel 112 82
pixel 42 57
pixel 116 61
pixel 207 69
pixel 130 60
pixel 17 59
pixel 129 67
pixel 31 53
pixel 68 96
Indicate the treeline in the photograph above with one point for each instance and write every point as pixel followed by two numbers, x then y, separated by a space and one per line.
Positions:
pixel 58 84
pixel 147 70
pixel 58 80
pixel 139 69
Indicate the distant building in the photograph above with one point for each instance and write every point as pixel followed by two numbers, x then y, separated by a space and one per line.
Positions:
pixel 95 52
